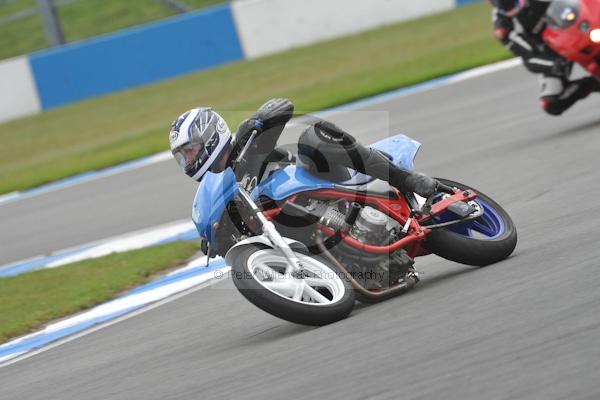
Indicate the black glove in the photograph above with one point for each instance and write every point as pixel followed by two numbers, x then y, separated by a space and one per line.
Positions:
pixel 421 184
pixel 275 112
pixel 243 134
pixel 246 128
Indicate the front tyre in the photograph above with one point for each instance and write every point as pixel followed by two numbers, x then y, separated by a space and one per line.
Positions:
pixel 319 297
pixel 486 240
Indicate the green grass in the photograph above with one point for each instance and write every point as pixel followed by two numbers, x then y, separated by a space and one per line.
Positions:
pixel 107 130
pixel 31 300
pixel 81 19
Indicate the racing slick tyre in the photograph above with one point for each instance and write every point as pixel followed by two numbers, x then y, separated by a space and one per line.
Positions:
pixel 486 240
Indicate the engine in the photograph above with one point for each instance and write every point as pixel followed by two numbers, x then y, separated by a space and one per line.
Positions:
pixel 374 227
pixel 373 271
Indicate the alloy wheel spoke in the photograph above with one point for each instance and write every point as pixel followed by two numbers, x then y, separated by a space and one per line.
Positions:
pixel 462 230
pixel 316 296
pixel 269 272
pixel 317 282
pixel 300 287
pixel 284 287
pixel 314 284
pixel 483 228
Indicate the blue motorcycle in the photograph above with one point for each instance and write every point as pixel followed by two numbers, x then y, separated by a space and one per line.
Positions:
pixel 304 248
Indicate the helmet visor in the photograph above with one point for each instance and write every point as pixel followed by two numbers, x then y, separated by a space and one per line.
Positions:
pixel 190 155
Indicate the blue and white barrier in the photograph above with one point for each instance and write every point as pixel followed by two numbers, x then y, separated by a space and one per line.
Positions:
pixel 136 57
pixel 188 43
pixel 18 93
pixel 271 26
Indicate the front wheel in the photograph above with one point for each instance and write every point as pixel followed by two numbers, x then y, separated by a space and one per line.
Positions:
pixel 318 296
pixel 486 240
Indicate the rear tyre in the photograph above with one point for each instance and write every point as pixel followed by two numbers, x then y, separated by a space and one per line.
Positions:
pixel 321 297
pixel 486 240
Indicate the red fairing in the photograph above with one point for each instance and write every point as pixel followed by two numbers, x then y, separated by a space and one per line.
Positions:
pixel 574 43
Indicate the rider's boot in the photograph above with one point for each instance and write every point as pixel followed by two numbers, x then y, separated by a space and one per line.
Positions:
pixel 379 166
pixel 558 96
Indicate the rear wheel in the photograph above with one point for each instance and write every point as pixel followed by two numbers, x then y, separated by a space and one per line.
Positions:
pixel 483 241
pixel 319 296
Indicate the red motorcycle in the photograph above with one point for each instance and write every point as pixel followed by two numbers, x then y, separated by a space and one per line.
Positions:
pixel 574 32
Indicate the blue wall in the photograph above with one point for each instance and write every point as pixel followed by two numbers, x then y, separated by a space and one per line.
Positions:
pixel 136 56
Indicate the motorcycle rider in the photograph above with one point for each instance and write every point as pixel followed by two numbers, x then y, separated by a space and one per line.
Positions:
pixel 518 25
pixel 201 141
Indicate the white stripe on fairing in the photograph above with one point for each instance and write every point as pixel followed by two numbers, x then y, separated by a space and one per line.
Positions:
pixel 164 156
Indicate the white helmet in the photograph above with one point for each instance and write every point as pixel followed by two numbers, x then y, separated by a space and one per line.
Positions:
pixel 198 139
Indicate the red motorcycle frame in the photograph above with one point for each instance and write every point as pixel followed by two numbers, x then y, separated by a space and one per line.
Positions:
pixel 398 209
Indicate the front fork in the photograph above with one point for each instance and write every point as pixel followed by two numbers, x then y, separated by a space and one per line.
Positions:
pixel 294 265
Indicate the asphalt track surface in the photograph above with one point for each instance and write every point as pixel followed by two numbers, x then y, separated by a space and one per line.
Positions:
pixel 525 328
